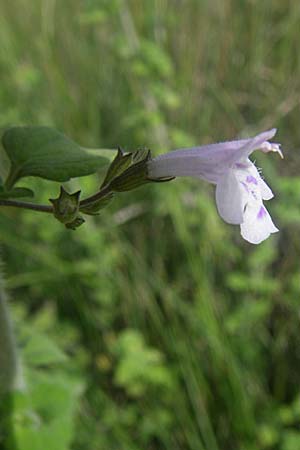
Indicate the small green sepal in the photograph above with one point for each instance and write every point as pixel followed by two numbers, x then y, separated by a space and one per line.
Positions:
pixel 118 166
pixel 134 176
pixel 75 224
pixel 140 155
pixel 161 180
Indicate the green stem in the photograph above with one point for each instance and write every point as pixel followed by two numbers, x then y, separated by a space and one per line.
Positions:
pixel 90 200
pixel 49 209
pixel 11 376
pixel 26 205
pixel 11 179
pixel 9 363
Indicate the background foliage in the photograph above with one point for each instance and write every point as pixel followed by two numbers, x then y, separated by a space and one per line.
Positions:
pixel 154 326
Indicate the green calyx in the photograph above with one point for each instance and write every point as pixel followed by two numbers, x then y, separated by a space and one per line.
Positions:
pixel 133 176
pixel 66 208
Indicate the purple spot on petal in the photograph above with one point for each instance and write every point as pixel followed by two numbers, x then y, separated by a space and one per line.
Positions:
pixel 245 186
pixel 261 213
pixel 251 179
pixel 254 194
pixel 241 166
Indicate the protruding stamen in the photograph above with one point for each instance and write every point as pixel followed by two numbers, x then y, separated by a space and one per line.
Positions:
pixel 271 147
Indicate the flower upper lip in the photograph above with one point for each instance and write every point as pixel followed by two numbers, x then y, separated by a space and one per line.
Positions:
pixel 208 162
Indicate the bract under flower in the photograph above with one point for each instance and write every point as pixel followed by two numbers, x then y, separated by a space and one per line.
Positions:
pixel 240 190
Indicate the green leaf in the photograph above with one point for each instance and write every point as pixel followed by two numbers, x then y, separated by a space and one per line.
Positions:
pixel 40 350
pixel 139 367
pixel 156 58
pixel 44 416
pixel 45 152
pixel 290 440
pixel 18 192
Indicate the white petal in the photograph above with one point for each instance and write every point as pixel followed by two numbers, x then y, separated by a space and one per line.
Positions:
pixel 266 192
pixel 257 225
pixel 231 198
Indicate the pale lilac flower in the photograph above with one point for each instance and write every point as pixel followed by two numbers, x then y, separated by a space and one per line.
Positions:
pixel 240 190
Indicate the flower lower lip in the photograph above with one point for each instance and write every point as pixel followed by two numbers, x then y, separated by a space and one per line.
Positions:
pixel 251 179
pixel 261 213
pixel 241 165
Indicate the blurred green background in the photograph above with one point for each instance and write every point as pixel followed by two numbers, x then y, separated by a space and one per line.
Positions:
pixel 154 326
